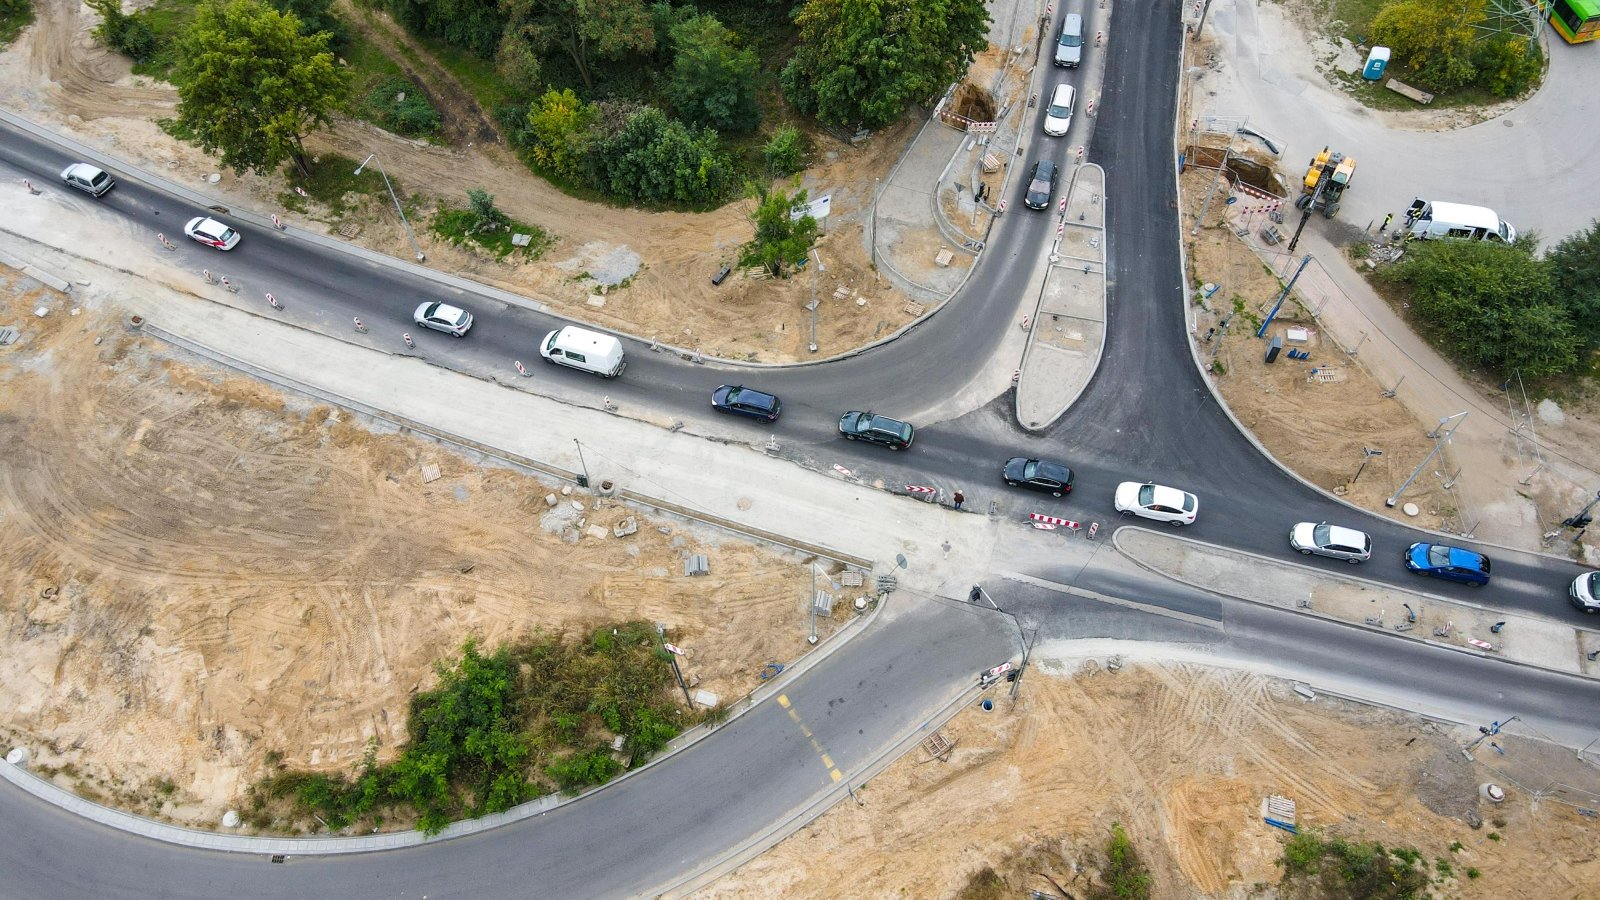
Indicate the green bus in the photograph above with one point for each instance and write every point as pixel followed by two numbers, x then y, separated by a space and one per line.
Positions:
pixel 1575 20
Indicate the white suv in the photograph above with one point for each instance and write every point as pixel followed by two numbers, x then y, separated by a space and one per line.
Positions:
pixel 1058 115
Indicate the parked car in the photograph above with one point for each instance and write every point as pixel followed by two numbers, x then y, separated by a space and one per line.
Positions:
pixel 1450 563
pixel 1037 474
pixel 88 179
pixel 452 320
pixel 212 233
pixel 1332 541
pixel 743 401
pixel 1041 185
pixel 1058 115
pixel 1585 592
pixel 865 426
pixel 1069 45
pixel 1154 501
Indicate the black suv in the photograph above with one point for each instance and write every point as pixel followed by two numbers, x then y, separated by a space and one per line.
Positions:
pixel 742 401
pixel 1037 474
pixel 1042 185
pixel 864 426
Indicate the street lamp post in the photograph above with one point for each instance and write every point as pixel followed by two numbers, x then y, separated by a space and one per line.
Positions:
pixel 397 208
pixel 1582 520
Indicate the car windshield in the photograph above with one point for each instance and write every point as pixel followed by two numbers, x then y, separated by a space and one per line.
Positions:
pixel 1438 555
pixel 226 235
pixel 432 310
pixel 1188 503
pixel 733 395
pixel 1322 535
pixel 1071 40
pixel 1030 469
pixel 1060 110
pixel 1147 495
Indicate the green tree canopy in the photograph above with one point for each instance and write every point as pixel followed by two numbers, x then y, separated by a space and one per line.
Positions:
pixel 781 239
pixel 861 62
pixel 713 82
pixel 1492 305
pixel 660 160
pixel 558 127
pixel 474 25
pixel 1575 266
pixel 1433 37
pixel 588 31
pixel 251 85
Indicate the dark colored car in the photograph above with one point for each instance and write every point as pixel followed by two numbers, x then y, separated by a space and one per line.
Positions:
pixel 864 426
pixel 1449 563
pixel 1042 186
pixel 742 401
pixel 1037 474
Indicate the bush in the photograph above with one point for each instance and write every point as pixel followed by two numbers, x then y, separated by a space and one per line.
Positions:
pixel 713 82
pixel 660 160
pixel 582 770
pixel 1505 66
pixel 780 239
pixel 412 116
pixel 557 131
pixel 1336 868
pixel 785 152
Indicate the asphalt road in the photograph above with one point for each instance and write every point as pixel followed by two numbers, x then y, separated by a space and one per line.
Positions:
pixel 1146 415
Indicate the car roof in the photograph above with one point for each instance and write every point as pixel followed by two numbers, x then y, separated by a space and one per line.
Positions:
pixel 441 308
pixel 83 169
pixel 1167 496
pixel 1061 93
pixel 1348 537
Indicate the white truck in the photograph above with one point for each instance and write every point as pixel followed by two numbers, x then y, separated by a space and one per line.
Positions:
pixel 1430 219
pixel 583 349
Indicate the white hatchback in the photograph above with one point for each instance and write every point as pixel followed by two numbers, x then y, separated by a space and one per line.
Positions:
pixel 452 320
pixel 1058 115
pixel 212 233
pixel 1153 501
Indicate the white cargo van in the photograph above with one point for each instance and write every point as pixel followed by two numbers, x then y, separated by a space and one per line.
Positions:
pixel 583 349
pixel 1429 219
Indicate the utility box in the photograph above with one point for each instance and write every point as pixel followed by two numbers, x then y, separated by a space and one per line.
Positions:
pixel 1377 61
pixel 1274 348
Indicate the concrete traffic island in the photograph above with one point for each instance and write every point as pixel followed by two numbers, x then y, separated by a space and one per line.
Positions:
pixel 1066 333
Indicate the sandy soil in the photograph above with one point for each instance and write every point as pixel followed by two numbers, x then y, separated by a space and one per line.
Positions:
pixel 196 569
pixel 56 73
pixel 1032 790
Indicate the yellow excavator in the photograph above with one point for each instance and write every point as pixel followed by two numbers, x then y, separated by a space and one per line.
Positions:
pixel 1326 179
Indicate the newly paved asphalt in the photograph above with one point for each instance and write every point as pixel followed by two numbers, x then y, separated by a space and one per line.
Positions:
pixel 1146 415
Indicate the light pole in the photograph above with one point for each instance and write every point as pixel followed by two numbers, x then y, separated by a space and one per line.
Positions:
pixel 414 246
pixel 583 481
pixel 1582 520
pixel 1440 438
pixel 1367 453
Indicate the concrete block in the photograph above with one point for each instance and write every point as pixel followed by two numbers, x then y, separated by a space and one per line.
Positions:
pixel 706 699
pixel 626 527
pixel 596 531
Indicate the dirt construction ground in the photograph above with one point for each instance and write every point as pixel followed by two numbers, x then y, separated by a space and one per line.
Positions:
pixel 1182 757
pixel 195 570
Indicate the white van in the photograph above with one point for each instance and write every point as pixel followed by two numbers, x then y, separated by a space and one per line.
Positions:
pixel 1069 47
pixel 1428 219
pixel 1058 115
pixel 583 349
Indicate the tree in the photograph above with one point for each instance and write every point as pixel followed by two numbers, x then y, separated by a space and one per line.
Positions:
pixel 1491 305
pixel 861 62
pixel 315 16
pixel 252 86
pixel 587 30
pixel 785 152
pixel 713 82
pixel 558 125
pixel 474 25
pixel 781 239
pixel 1432 37
pixel 657 159
pixel 1575 266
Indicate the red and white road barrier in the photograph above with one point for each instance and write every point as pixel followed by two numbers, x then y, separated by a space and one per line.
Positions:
pixel 605 403
pixel 1026 322
pixel 406 336
pixel 301 191
pixel 521 369
pixel 1099 37
pixel 228 285
pixel 1002 206
pixel 1016 375
pixel 1054 521
pixel 1481 645
pixel 1080 159
pixel 273 302
pixel 843 471
pixel 1061 229
pixel 920 489
pixel 166 244
pixel 27 183
pixel 1094 529
pixel 1062 206
pixel 360 326
pixel 1090 109
pixel 1049 9
pixel 1043 526
pixel 277 222
pixel 206 274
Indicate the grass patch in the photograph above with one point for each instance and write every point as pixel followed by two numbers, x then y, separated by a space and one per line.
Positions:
pixel 332 178
pixel 12 21
pixel 1334 868
pixel 456 226
pixel 1352 19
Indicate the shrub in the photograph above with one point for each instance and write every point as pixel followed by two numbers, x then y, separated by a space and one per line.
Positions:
pixel 785 152
pixel 1124 872
pixel 582 770
pixel 412 116
pixel 660 160
pixel 558 126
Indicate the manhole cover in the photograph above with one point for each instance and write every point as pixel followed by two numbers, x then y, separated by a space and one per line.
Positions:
pixel 744 503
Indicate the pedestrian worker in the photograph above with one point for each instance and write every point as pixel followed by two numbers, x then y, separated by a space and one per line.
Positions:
pixel 1386 220
pixel 959 499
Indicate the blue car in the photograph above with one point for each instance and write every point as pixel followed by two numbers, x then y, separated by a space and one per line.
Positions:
pixel 1449 563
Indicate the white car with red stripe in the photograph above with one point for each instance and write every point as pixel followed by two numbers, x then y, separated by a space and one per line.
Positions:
pixel 212 233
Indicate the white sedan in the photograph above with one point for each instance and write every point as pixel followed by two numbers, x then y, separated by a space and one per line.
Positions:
pixel 451 320
pixel 1153 501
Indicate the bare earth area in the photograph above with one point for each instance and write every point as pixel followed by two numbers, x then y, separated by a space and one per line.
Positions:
pixel 1032 790
pixel 58 74
pixel 196 570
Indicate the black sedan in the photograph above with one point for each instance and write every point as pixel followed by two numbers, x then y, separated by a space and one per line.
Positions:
pixel 1038 474
pixel 1042 186
pixel 864 426
pixel 742 401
